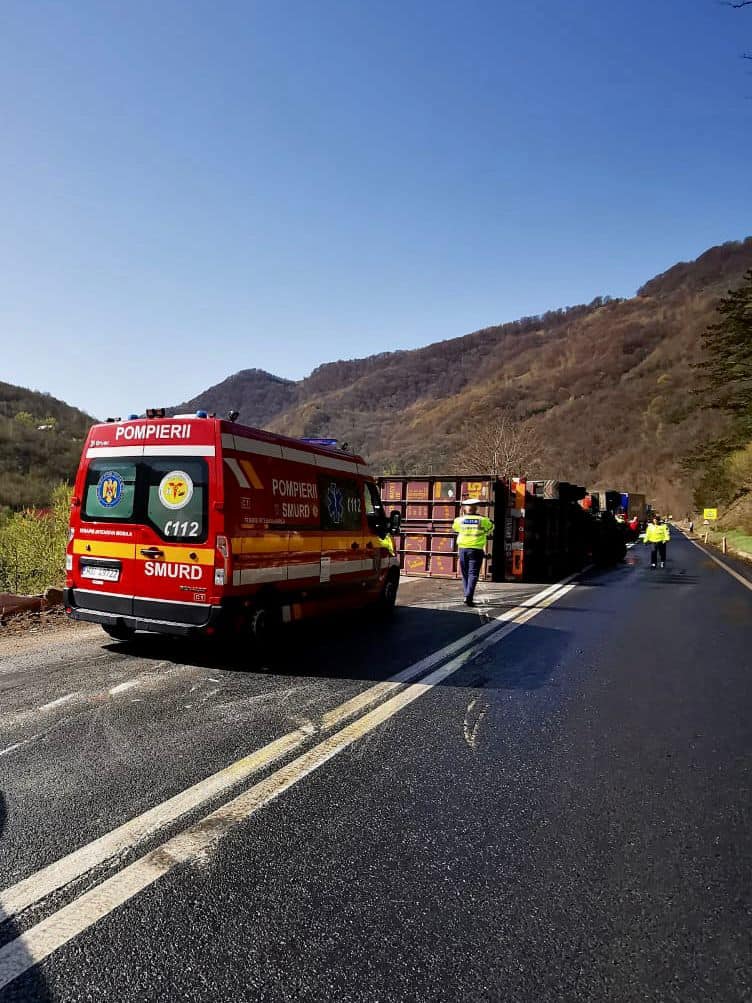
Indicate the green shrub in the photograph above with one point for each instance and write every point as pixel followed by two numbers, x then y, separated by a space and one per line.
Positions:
pixel 32 546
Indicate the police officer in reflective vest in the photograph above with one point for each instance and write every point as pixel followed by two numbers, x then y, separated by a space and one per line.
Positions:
pixel 657 535
pixel 472 531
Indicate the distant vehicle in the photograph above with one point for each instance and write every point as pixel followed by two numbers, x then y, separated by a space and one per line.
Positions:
pixel 609 501
pixel 192 524
pixel 637 508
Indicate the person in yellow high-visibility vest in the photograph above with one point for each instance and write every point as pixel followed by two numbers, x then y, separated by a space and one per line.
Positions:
pixel 387 543
pixel 472 532
pixel 657 535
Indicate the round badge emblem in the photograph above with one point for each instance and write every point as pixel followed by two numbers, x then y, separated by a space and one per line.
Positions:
pixel 175 490
pixel 109 489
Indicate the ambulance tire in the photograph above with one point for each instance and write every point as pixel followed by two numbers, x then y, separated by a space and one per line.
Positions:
pixel 263 625
pixel 388 595
pixel 120 633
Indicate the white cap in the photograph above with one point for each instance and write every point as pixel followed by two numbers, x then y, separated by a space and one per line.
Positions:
pixel 471 501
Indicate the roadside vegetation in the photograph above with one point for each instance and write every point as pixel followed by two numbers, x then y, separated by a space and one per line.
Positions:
pixel 736 540
pixel 613 395
pixel 40 444
pixel 723 466
pixel 32 546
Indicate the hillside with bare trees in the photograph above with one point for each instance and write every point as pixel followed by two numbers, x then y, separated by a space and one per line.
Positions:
pixel 603 390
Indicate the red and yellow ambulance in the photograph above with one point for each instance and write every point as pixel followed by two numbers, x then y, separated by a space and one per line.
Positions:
pixel 194 524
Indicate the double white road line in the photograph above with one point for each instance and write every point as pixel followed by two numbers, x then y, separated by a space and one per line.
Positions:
pixel 386 699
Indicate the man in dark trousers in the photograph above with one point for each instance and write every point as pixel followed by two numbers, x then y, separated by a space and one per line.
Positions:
pixel 472 532
pixel 657 535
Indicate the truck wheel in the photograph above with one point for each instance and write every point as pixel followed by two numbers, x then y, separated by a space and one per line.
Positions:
pixel 119 633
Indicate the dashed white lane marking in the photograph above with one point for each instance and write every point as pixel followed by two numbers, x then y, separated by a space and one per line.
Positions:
pixel 59 702
pixel 192 845
pixel 39 885
pixel 12 748
pixel 44 938
pixel 122 687
pixel 721 564
pixel 380 690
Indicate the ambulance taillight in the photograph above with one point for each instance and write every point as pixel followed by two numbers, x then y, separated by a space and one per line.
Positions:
pixel 69 552
pixel 222 574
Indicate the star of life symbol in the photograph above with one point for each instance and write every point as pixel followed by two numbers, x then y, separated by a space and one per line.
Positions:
pixel 335 503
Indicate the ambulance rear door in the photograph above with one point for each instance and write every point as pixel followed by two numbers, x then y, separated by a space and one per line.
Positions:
pixel 175 545
pixel 104 571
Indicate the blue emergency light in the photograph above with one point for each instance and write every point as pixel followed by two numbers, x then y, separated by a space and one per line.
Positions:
pixel 329 443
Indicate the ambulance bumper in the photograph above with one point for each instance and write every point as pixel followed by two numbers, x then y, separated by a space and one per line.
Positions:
pixel 169 618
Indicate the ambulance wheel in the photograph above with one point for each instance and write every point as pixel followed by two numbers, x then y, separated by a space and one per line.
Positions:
pixel 119 633
pixel 388 597
pixel 263 624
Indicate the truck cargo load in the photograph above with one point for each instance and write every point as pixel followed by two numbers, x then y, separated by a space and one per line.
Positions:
pixel 541 532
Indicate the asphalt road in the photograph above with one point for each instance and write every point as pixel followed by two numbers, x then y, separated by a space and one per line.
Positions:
pixel 554 807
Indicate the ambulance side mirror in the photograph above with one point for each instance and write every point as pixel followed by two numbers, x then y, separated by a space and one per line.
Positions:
pixel 394 521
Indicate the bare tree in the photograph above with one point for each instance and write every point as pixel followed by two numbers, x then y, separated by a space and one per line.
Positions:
pixel 501 446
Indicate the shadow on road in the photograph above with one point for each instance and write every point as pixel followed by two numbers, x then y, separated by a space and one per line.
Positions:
pixel 31 986
pixel 358 646
pixel 669 576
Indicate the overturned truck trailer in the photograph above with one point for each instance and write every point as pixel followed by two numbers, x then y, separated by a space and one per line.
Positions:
pixel 541 531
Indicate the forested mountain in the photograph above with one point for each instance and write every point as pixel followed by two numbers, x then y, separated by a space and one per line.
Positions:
pixel 40 445
pixel 256 394
pixel 608 385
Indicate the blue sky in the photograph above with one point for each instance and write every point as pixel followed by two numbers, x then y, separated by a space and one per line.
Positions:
pixel 193 187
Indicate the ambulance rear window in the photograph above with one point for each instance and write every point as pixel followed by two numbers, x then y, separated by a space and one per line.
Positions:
pixel 175 491
pixel 110 490
pixel 168 493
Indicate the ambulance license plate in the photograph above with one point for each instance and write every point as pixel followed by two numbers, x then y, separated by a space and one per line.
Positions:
pixel 101 574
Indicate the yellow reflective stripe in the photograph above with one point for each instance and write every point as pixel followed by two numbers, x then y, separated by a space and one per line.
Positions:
pixel 340 542
pixel 309 544
pixel 296 542
pixel 176 555
pixel 102 548
pixel 269 543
